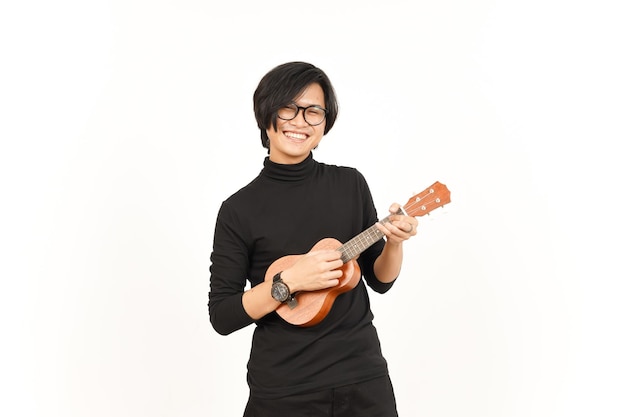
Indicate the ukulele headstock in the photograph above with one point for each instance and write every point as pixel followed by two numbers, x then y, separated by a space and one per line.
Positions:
pixel 435 196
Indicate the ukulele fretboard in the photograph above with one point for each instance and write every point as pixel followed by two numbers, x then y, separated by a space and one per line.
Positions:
pixel 355 246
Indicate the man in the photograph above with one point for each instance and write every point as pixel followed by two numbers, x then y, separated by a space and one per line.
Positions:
pixel 336 366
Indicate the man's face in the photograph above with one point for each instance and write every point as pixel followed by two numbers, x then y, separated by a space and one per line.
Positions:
pixel 292 140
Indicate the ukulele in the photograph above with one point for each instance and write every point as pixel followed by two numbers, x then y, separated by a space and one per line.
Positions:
pixel 311 307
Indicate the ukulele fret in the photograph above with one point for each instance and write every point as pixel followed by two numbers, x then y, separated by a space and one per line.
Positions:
pixel 355 246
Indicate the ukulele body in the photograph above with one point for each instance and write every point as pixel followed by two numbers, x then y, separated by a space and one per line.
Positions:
pixel 314 305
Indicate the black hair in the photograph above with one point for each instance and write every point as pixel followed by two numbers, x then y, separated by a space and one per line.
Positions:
pixel 281 85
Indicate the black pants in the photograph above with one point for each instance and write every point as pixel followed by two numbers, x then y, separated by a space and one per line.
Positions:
pixel 374 398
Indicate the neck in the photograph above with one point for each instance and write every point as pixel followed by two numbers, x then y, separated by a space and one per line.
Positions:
pixel 289 172
pixel 286 159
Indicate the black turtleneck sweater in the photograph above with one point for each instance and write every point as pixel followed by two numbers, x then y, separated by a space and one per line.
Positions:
pixel 286 210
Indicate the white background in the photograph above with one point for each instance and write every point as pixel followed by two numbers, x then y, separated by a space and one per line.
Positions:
pixel 124 124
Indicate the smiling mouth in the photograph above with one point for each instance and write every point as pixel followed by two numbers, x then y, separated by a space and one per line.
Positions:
pixel 296 136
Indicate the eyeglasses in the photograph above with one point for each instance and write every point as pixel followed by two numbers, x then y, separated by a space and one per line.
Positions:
pixel 313 115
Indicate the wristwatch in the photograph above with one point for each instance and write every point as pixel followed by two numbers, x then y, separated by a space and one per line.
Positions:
pixel 280 290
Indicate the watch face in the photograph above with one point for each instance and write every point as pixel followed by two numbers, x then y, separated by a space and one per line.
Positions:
pixel 280 291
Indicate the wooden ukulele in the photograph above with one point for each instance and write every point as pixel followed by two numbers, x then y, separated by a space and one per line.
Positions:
pixel 311 307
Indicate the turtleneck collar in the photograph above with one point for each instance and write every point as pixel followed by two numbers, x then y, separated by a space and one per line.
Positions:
pixel 289 172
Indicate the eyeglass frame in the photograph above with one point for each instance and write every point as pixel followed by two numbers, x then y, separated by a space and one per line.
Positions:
pixel 304 109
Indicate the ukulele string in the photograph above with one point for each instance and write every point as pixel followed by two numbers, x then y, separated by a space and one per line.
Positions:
pixel 352 248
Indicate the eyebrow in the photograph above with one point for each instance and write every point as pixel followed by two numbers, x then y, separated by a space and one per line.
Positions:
pixel 307 105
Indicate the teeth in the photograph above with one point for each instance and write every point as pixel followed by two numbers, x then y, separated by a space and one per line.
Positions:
pixel 295 135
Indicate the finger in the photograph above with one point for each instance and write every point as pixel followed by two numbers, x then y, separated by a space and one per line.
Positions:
pixel 335 265
pixel 402 226
pixel 413 228
pixel 393 209
pixel 335 274
pixel 326 254
pixel 383 228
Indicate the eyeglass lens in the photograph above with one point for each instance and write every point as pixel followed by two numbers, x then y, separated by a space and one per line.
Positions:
pixel 313 115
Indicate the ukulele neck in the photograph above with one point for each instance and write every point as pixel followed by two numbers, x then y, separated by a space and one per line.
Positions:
pixel 358 244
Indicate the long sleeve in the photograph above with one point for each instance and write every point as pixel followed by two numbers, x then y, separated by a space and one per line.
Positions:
pixel 229 266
